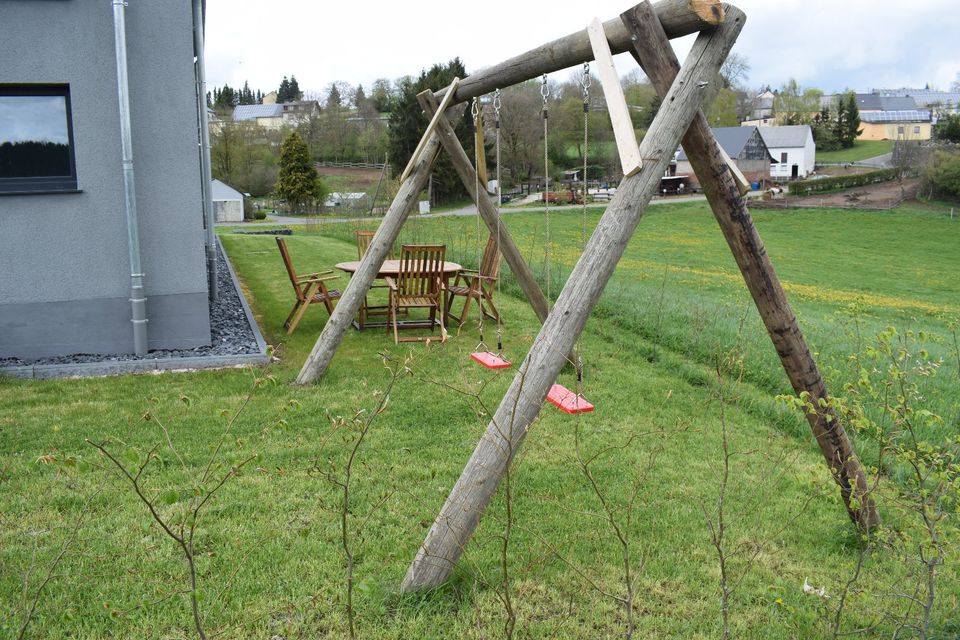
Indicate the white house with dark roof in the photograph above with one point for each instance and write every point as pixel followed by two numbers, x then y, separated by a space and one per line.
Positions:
pixel 744 146
pixel 793 150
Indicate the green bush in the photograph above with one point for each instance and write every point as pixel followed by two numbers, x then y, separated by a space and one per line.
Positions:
pixel 807 187
pixel 943 173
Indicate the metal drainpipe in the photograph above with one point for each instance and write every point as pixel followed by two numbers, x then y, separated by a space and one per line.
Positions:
pixel 138 301
pixel 205 170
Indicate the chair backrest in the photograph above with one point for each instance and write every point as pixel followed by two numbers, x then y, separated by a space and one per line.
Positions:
pixel 490 264
pixel 421 268
pixel 363 242
pixel 289 265
pixel 364 238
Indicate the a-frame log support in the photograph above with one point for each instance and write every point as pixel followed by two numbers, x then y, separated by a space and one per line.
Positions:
pixel 342 317
pixel 654 54
pixel 488 209
pixel 505 433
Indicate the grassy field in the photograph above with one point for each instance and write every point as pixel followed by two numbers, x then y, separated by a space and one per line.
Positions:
pixel 675 357
pixel 861 150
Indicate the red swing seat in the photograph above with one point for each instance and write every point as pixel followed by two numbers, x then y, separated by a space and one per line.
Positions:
pixel 490 360
pixel 568 401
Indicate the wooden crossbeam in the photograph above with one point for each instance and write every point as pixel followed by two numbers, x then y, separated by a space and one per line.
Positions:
pixel 678 17
pixel 460 514
pixel 623 131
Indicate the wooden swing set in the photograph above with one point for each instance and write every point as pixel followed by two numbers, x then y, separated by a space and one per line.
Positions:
pixel 644 31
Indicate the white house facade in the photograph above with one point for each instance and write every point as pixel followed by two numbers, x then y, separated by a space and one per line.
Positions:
pixel 793 150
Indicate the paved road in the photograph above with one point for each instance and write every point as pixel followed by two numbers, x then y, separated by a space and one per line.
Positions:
pixel 884 161
pixel 470 210
pixel 878 162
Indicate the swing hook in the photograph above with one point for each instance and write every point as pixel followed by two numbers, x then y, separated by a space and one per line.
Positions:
pixel 586 81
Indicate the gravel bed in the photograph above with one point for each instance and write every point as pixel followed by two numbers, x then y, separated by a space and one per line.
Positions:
pixel 230 334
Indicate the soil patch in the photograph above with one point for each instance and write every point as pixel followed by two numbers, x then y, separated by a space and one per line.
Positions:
pixel 884 195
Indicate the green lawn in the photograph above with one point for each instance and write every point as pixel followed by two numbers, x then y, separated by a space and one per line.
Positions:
pixel 861 150
pixel 269 554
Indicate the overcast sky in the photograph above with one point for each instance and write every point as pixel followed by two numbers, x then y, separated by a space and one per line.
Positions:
pixel 828 44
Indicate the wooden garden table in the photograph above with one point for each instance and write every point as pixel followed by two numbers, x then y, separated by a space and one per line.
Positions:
pixel 391 269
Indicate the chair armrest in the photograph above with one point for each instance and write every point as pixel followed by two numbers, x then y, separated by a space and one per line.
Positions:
pixel 311 279
pixel 476 276
pixel 390 283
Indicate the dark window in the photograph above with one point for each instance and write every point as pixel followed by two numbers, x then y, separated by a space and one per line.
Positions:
pixel 783 157
pixel 36 139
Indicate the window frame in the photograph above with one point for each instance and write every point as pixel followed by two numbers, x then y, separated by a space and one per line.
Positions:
pixel 43 184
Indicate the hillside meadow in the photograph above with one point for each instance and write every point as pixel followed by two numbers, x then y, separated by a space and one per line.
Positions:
pixel 692 477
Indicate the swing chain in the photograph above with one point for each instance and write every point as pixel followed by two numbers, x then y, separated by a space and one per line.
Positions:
pixel 475 108
pixel 497 103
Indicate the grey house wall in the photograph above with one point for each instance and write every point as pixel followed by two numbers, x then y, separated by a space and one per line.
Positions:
pixel 64 257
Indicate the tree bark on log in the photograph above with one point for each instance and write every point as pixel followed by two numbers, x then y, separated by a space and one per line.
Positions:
pixel 504 435
pixel 678 17
pixel 356 290
pixel 488 210
pixel 653 53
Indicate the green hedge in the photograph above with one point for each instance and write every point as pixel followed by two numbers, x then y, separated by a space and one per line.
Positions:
pixel 806 187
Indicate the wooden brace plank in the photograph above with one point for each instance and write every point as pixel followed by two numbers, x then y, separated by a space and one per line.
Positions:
pixel 451 91
pixel 626 137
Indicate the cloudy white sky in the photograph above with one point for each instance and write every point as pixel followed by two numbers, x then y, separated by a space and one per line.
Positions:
pixel 828 44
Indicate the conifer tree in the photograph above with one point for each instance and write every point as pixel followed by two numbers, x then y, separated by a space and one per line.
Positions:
pixel 852 128
pixel 407 124
pixel 294 93
pixel 298 181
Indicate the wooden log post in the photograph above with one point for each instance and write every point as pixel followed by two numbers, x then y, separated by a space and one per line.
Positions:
pixel 488 210
pixel 654 54
pixel 678 17
pixel 506 431
pixel 380 246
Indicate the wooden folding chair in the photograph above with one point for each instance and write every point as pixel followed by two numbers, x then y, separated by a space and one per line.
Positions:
pixel 418 285
pixel 310 289
pixel 364 237
pixel 477 285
